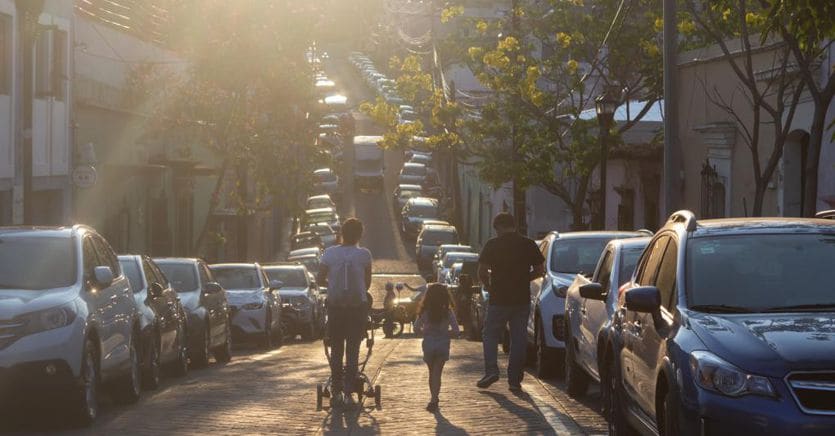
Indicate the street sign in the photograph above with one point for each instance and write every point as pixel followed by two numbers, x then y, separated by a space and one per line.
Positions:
pixel 84 176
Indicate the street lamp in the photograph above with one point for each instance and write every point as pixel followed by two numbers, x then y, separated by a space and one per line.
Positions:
pixel 605 106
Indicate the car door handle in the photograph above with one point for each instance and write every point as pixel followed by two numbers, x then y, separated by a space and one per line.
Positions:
pixel 583 311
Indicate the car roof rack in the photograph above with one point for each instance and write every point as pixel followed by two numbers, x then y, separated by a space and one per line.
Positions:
pixel 685 217
pixel 829 214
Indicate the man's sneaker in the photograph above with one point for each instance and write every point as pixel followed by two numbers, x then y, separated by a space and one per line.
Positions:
pixel 487 380
pixel 432 406
pixel 336 399
pixel 515 387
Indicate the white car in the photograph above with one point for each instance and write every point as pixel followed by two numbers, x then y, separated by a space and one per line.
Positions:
pixel 68 320
pixel 326 181
pixel 566 255
pixel 254 302
pixel 450 259
pixel 589 307
pixel 412 173
pixel 320 201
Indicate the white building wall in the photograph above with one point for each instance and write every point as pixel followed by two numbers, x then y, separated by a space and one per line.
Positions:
pixel 8 101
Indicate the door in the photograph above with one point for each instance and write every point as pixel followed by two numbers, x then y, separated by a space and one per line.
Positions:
pixel 634 323
pixel 652 347
pixel 214 304
pixel 593 315
pixel 536 287
pixel 117 312
pixel 162 306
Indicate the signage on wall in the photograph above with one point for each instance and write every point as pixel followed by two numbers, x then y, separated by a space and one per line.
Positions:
pixel 84 176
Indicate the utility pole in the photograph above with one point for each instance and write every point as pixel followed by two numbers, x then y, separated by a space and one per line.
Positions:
pixel 30 11
pixel 670 186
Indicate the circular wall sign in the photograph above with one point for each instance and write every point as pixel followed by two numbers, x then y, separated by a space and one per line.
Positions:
pixel 84 176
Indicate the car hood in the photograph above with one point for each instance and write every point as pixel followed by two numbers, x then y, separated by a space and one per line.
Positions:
pixel 772 344
pixel 293 292
pixel 15 302
pixel 238 298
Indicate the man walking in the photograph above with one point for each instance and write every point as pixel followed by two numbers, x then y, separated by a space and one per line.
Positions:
pixel 506 266
pixel 346 271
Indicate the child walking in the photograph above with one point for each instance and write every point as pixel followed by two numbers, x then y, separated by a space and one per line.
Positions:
pixel 435 317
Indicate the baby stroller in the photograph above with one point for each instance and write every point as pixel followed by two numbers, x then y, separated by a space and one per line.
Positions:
pixel 362 384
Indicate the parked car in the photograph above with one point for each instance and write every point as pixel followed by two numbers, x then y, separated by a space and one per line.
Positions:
pixel 828 214
pixel 319 202
pixel 326 181
pixel 301 305
pixel 566 255
pixel 325 215
pixel 325 231
pixel 412 173
pixel 428 241
pixel 450 259
pixel 162 320
pixel 589 307
pixel 68 319
pixel 726 327
pixel 443 249
pixel 254 302
pixel 415 211
pixel 306 240
pixel 311 261
pixel 204 300
pixel 421 158
pixel 402 194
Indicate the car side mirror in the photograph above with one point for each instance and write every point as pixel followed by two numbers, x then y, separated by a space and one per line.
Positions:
pixel 103 276
pixel 155 290
pixel 593 291
pixel 213 288
pixel 276 284
pixel 643 299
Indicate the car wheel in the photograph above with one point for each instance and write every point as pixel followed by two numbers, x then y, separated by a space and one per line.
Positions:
pixel 150 377
pixel 667 414
pixel 85 405
pixel 279 332
pixel 616 418
pixel 223 353
pixel 200 357
pixel 179 367
pixel 309 331
pixel 576 379
pixel 126 389
pixel 473 332
pixel 547 363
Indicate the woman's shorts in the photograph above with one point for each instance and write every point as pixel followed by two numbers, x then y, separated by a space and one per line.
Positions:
pixel 434 350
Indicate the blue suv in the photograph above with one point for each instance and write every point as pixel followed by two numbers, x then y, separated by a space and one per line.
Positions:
pixel 726 327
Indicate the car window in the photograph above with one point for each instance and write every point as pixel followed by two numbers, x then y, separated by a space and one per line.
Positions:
pixel 577 255
pixel 666 278
pixel 131 270
pixel 290 277
pixel 439 238
pixel 652 259
pixel 160 274
pixel 37 263
pixel 605 271
pixel 237 278
pixel 182 276
pixel 106 255
pixel 203 271
pixel 91 258
pixel 628 259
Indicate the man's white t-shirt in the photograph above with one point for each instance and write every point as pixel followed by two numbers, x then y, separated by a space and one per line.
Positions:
pixel 346 274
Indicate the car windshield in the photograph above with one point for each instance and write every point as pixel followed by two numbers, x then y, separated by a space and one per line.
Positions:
pixel 316 203
pixel 236 278
pixel 290 277
pixel 326 177
pixel 23 261
pixel 414 170
pixel 449 260
pixel 182 276
pixel 321 229
pixel 131 269
pixel 577 255
pixel 319 217
pixel 628 259
pixel 761 272
pixel 407 193
pixel 423 210
pixel 439 238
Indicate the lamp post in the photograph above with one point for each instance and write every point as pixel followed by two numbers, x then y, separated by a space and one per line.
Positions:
pixel 605 106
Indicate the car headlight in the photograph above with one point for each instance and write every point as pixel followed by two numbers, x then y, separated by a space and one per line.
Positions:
pixel 714 374
pixel 253 306
pixel 49 319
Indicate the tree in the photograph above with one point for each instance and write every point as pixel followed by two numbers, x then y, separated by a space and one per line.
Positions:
pixel 808 29
pixel 244 94
pixel 772 102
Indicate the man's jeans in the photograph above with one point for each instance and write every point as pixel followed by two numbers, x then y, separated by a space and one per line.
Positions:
pixel 497 318
pixel 346 330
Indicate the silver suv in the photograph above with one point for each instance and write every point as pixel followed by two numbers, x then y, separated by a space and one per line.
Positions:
pixel 68 321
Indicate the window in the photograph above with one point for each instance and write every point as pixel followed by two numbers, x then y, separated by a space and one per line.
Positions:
pixel 131 270
pixel 36 263
pixel 649 266
pixel 91 260
pixel 182 276
pixel 605 272
pixel 51 63
pixel 5 54
pixel 106 256
pixel 205 276
pixel 666 279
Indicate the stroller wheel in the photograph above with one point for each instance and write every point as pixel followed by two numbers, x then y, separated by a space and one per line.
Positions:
pixel 378 398
pixel 319 394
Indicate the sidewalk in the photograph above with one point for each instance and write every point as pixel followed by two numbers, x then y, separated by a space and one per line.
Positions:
pixel 464 409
